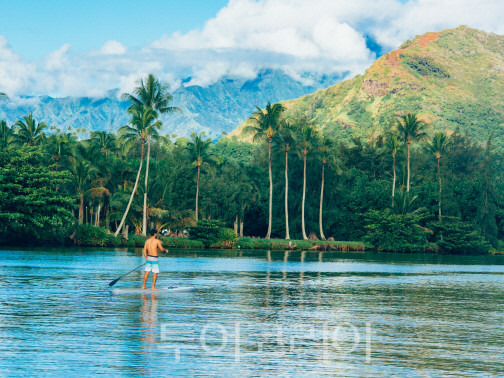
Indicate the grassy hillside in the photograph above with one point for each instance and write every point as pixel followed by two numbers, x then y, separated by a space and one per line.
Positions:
pixel 453 78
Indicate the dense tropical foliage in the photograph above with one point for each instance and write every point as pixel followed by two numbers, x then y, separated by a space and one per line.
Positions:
pixel 294 181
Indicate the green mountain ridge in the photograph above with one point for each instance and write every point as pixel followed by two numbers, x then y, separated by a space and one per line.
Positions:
pixel 453 79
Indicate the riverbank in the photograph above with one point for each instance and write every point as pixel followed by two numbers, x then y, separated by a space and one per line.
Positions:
pixel 257 243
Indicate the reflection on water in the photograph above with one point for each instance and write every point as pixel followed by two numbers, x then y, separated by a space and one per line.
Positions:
pixel 255 312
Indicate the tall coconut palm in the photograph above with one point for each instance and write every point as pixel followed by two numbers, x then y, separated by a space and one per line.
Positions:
pixel 410 129
pixel 6 134
pixel 29 131
pixel 438 147
pixel 285 140
pixel 327 157
pixel 141 121
pixel 199 153
pixel 151 93
pixel 393 145
pixel 306 139
pixel 265 124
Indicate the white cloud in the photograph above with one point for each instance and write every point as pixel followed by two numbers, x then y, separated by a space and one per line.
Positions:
pixel 321 36
pixel 113 48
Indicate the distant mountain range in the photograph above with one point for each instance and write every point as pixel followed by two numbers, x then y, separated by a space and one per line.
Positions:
pixel 213 109
pixel 451 79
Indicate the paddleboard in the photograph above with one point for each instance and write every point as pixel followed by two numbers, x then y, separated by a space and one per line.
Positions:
pixel 171 289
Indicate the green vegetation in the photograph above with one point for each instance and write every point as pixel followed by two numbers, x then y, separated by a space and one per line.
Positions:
pixel 425 66
pixel 213 232
pixel 453 80
pixel 299 179
pixel 32 206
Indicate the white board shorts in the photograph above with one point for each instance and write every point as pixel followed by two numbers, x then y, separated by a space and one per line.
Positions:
pixel 152 264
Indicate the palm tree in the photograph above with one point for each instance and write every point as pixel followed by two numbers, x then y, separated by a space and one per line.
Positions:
pixel 151 93
pixel 29 131
pixel 327 157
pixel 141 121
pixel 6 134
pixel 103 141
pixel 59 147
pixel 199 153
pixel 438 147
pixel 306 140
pixel 81 171
pixel 285 140
pixel 393 145
pixel 410 129
pixel 265 124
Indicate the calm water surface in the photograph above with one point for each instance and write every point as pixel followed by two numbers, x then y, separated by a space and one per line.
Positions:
pixel 254 313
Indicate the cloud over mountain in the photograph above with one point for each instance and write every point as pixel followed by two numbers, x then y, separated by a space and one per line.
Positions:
pixel 322 36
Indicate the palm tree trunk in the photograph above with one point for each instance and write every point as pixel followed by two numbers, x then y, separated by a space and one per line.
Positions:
pixel 107 217
pixel 98 215
pixel 287 234
pixel 393 182
pixel 270 215
pixel 304 197
pixel 144 224
pixel 241 227
pixel 236 224
pixel 81 209
pixel 408 182
pixel 440 188
pixel 132 192
pixel 197 192
pixel 321 203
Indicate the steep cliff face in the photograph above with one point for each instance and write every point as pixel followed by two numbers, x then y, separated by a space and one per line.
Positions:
pixel 452 79
pixel 219 107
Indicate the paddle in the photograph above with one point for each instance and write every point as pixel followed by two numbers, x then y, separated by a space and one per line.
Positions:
pixel 117 279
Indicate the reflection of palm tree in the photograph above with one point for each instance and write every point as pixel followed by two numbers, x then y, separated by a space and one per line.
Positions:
pixel 199 153
pixel 265 125
pixel 411 129
pixel 438 147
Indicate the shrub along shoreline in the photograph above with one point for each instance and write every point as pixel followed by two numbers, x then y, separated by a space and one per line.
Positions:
pixel 91 236
pixel 211 234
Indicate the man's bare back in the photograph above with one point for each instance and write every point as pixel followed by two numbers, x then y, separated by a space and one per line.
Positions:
pixel 151 247
pixel 150 253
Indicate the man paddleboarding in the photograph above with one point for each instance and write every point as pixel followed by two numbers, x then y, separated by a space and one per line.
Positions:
pixel 150 253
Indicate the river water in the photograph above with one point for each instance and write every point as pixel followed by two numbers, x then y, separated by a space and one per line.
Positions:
pixel 253 313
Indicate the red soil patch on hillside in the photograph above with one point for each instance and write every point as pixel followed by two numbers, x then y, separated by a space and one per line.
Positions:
pixel 393 58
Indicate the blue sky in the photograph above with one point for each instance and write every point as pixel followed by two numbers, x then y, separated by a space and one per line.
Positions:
pixel 68 48
pixel 34 28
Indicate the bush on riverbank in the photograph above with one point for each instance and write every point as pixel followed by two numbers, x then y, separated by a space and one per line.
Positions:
pixel 213 233
pixel 395 232
pixel 456 237
pixel 92 236
pixel 282 244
